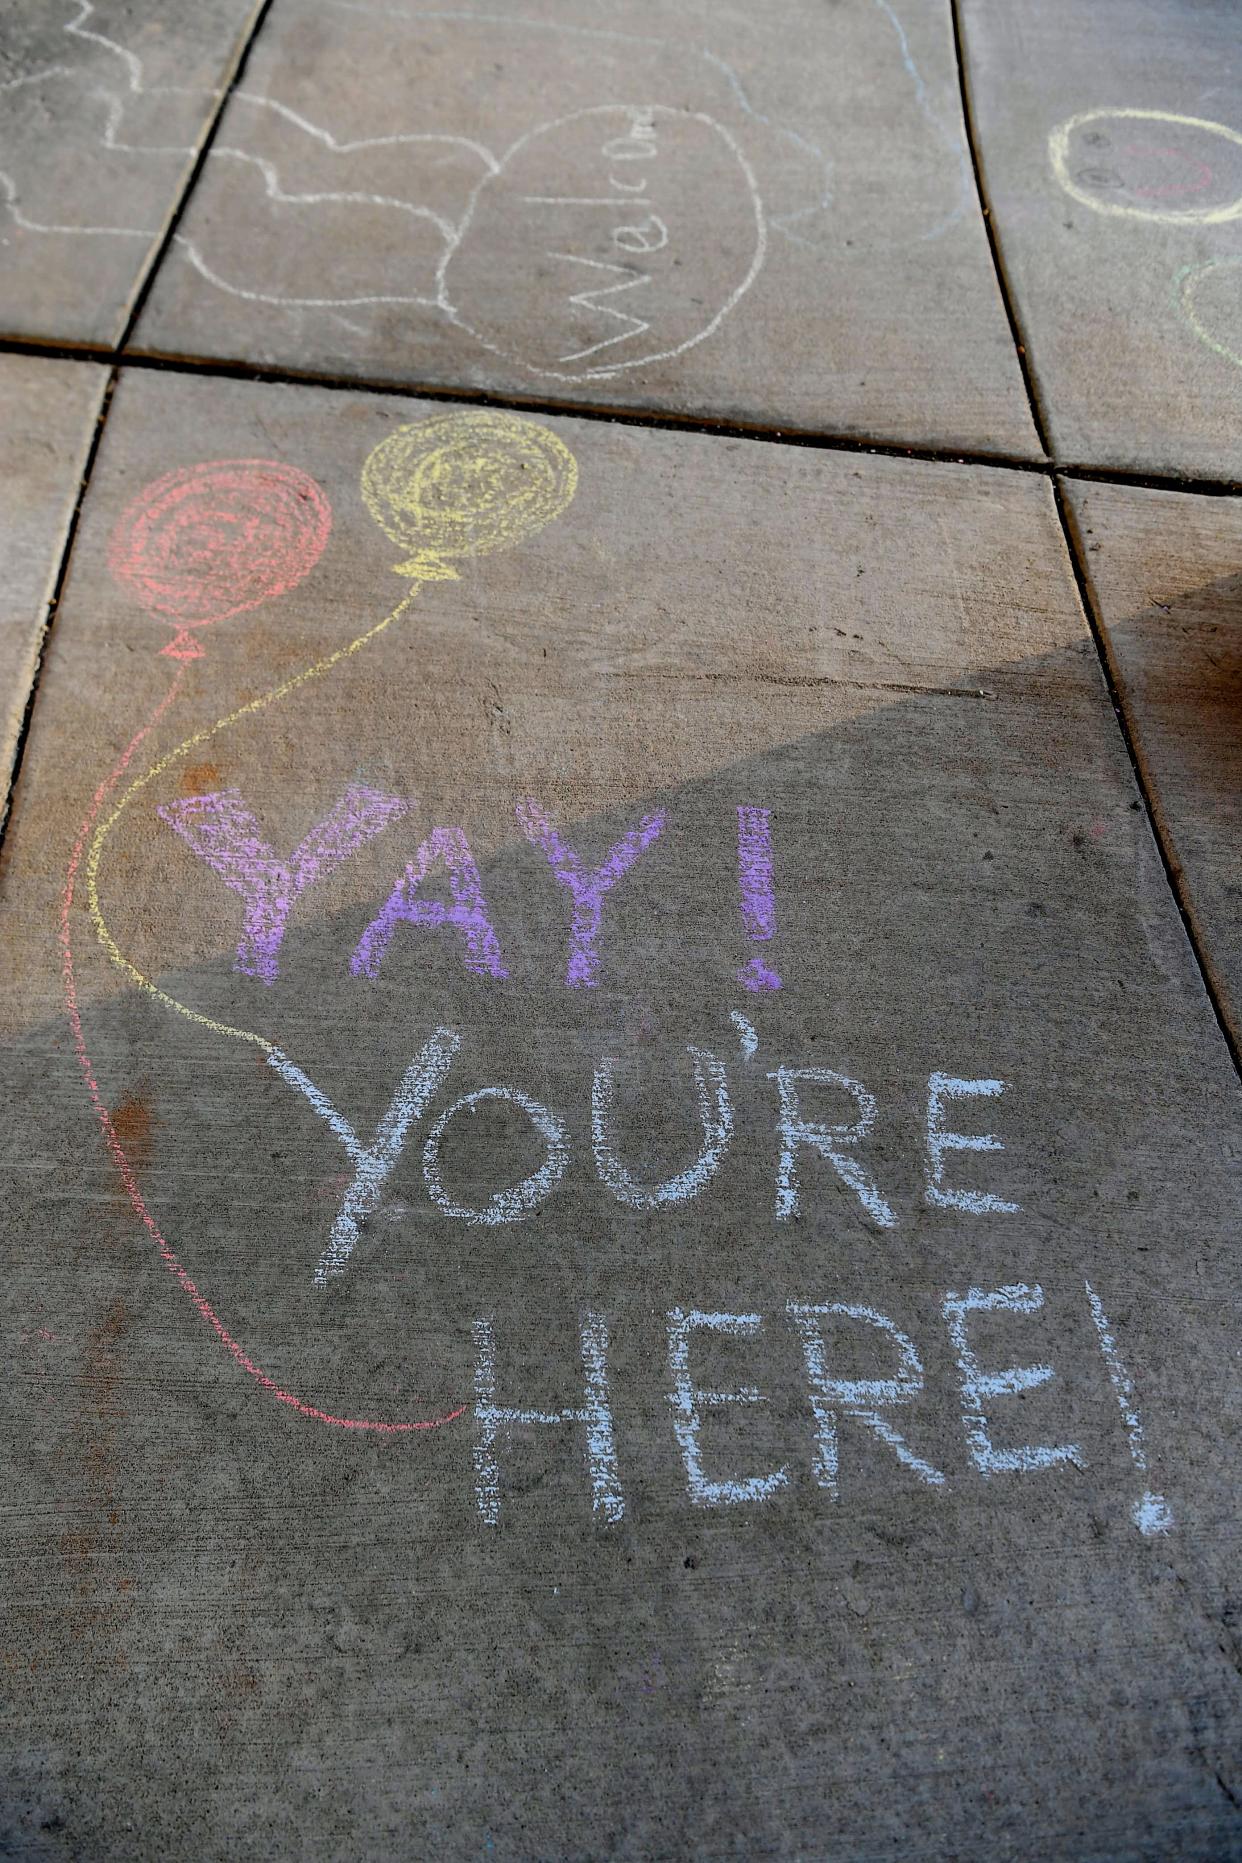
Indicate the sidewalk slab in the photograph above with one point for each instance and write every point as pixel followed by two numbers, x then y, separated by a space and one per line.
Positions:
pixel 1110 137
pixel 789 1434
pixel 104 110
pixel 1164 568
pixel 767 218
pixel 47 420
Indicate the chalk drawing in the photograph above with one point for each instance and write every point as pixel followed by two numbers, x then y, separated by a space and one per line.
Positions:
pixel 1151 1513
pixel 518 1200
pixel 116 1151
pixel 860 1398
pixel 1186 289
pixel 329 141
pixel 689 1403
pixel 1088 186
pixel 77 29
pixel 835 1143
pixel 113 106
pixel 950 138
pixel 782 223
pixel 282 299
pixel 456 290
pixel 275 190
pixel 443 467
pixel 942 1087
pixel 514 184
pixel 492 1419
pixel 754 874
pixel 442 476
pixel 586 887
pixel 465 301
pixel 979 1386
pixel 421 1081
pixel 12 200
pixel 465 484
pixel 222 831
pixel 347 198
pixel 206 542
pixel 466 915
pixel 715 1116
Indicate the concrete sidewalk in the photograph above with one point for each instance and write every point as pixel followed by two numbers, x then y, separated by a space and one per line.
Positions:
pixel 622 1016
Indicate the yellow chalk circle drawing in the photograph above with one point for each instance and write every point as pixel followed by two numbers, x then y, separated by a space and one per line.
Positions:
pixel 1077 189
pixel 464 484
pixel 458 484
pixel 1186 284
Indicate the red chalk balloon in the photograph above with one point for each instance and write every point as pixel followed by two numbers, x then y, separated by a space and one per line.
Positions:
pixel 205 542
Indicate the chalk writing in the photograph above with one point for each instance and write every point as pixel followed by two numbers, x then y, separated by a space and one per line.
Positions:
pixel 754 874
pixel 467 914
pixel 942 1087
pixel 689 1403
pixel 715 1116
pixel 978 1386
pixel 837 1144
pixel 587 886
pixel 603 270
pixel 223 832
pixel 491 1419
pixel 859 1398
pixel 421 1080
pixel 1152 1513
pixel 443 490
pixel 860 1402
pixel 518 1200
pixel 747 1032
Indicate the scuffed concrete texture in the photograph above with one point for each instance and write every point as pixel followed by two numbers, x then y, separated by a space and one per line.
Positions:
pixel 765 215
pixel 48 412
pixel 103 107
pixel 233 1630
pixel 1118 218
pixel 1164 567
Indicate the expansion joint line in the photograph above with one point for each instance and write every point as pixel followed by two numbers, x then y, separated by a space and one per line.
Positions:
pixel 1078 564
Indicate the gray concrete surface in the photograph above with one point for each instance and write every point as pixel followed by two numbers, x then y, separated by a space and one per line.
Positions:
pixel 105 106
pixel 779 1554
pixel 1110 139
pixel 1164 569
pixel 619 1177
pixel 47 419
pixel 766 217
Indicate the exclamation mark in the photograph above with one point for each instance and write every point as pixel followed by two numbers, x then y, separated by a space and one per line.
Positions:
pixel 754 878
pixel 1151 1513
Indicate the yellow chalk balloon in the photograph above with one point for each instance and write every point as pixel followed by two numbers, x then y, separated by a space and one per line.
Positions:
pixel 465 483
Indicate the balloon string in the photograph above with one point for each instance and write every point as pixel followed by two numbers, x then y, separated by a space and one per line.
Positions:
pixel 125 1169
pixel 116 1150
pixel 95 855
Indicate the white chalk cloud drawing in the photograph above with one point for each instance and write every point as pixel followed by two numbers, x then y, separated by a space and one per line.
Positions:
pixel 93 80
pixel 584 232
